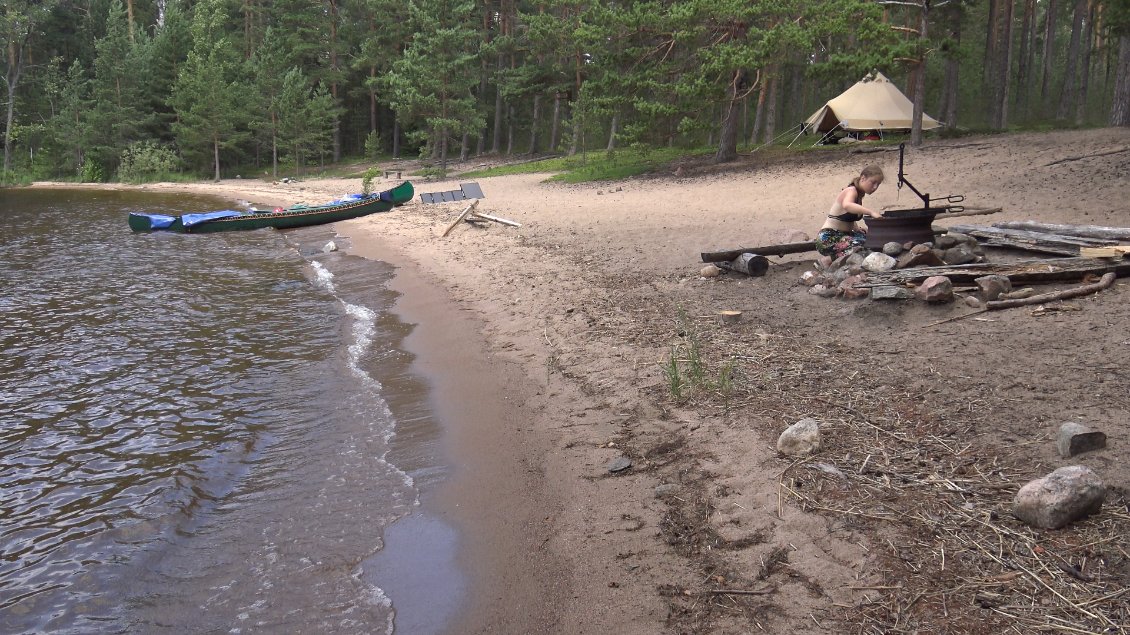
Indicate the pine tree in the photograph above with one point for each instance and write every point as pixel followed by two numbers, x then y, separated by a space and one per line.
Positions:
pixel 208 98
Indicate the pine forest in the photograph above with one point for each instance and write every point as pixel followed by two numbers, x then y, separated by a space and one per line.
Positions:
pixel 133 90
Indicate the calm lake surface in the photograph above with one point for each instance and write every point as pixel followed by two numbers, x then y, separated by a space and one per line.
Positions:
pixel 199 433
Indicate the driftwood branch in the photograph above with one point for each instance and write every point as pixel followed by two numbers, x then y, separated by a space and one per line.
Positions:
pixel 767 250
pixel 1086 289
pixel 497 219
pixel 462 215
pixel 1087 156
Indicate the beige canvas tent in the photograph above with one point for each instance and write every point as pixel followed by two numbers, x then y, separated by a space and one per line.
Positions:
pixel 873 103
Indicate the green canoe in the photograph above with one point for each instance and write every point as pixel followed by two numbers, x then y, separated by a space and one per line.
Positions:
pixel 297 216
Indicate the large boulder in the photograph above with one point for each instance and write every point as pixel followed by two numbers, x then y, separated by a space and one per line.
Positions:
pixel 1060 498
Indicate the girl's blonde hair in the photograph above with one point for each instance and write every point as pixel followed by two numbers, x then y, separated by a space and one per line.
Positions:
pixel 870 172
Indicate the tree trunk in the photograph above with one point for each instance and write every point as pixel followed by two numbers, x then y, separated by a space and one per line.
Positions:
pixel 612 131
pixel 1049 51
pixel 1002 62
pixel 496 137
pixel 535 123
pixel 509 130
pixel 555 128
pixel 274 147
pixel 1024 69
pixel 1085 67
pixel 953 66
pixel 1067 95
pixel 920 77
pixel 216 156
pixel 759 115
pixel 396 137
pixel 728 137
pixel 771 109
pixel 1120 100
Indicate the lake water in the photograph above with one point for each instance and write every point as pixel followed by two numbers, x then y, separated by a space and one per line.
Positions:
pixel 198 433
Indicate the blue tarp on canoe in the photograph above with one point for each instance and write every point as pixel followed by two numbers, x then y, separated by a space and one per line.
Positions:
pixel 159 221
pixel 188 220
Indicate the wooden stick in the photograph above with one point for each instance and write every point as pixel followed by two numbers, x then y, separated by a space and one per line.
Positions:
pixel 1087 289
pixel 497 219
pixel 462 215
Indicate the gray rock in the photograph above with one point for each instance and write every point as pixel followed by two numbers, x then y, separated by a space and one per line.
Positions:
pixel 666 489
pixel 891 293
pixel 710 271
pixel 1060 498
pixel 959 255
pixel 935 290
pixel 878 261
pixel 619 464
pixel 992 286
pixel 1074 438
pixel 330 246
pixel 800 439
pixel 945 241
pixel 892 249
pixel 920 256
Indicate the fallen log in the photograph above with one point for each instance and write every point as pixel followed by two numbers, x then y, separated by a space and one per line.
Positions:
pixel 767 250
pixel 1057 244
pixel 1086 289
pixel 1024 272
pixel 1088 231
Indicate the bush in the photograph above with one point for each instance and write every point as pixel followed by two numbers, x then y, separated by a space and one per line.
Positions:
pixel 91 172
pixel 146 161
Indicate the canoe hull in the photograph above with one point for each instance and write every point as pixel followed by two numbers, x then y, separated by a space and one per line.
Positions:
pixel 288 218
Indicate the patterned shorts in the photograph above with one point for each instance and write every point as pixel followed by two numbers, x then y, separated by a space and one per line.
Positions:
pixel 835 243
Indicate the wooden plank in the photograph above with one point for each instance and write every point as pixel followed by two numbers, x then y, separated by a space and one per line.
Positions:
pixel 1027 271
pixel 1088 231
pixel 462 215
pixel 1114 251
pixel 1031 241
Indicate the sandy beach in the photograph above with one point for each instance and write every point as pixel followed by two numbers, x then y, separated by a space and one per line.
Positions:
pixel 549 348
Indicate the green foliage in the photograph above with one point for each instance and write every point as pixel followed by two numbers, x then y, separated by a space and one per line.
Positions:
pixel 367 180
pixel 92 172
pixel 597 166
pixel 146 161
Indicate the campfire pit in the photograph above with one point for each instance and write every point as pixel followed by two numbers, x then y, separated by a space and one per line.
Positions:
pixel 909 225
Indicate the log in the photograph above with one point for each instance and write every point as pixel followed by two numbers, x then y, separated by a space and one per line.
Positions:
pixel 969 211
pixel 1057 244
pixel 1088 231
pixel 1086 289
pixel 767 250
pixel 1024 272
pixel 750 264
pixel 498 219
pixel 462 215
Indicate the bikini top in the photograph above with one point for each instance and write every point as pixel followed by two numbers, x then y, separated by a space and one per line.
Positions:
pixel 848 217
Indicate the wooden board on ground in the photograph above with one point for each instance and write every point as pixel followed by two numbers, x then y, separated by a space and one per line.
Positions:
pixel 1042 242
pixel 1114 251
pixel 462 215
pixel 1089 231
pixel 1027 271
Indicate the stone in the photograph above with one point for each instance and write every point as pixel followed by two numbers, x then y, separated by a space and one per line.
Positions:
pixel 891 292
pixel 935 290
pixel 710 271
pixel 809 278
pixel 1075 438
pixel 330 246
pixel 855 258
pixel 964 239
pixel 920 256
pixel 892 249
pixel 824 263
pixel 992 286
pixel 959 255
pixel 800 439
pixel 824 291
pixel 878 261
pixel 850 292
pixel 945 241
pixel 973 302
pixel 619 464
pixel 665 490
pixel 1060 498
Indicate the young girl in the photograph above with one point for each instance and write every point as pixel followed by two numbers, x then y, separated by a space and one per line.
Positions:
pixel 840 234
